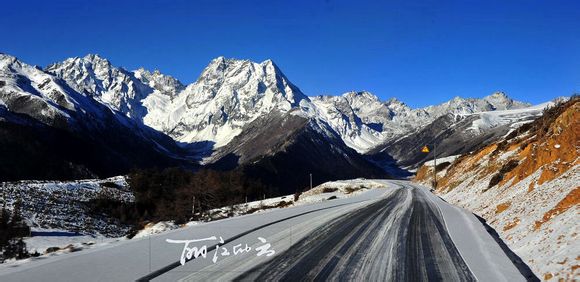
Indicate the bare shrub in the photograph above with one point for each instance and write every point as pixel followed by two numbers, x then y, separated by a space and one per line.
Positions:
pixel 507 167
pixel 329 190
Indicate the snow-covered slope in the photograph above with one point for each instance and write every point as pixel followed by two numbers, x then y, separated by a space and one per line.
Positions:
pixel 63 205
pixel 512 117
pixel 526 186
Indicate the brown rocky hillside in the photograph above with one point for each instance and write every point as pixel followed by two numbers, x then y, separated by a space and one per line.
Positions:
pixel 527 186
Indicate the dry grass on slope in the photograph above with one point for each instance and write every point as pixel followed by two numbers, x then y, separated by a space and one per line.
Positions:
pixel 550 142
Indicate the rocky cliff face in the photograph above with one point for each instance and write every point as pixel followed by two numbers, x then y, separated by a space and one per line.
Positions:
pixel 526 186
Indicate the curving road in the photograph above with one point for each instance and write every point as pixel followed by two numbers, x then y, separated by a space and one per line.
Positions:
pixel 399 238
pixel 399 233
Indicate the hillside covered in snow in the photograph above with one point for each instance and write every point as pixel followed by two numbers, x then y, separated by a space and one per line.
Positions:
pixel 525 186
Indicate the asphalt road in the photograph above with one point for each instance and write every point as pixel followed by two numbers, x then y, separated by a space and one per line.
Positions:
pixel 399 233
pixel 399 238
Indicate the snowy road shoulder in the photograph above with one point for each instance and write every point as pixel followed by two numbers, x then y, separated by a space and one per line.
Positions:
pixel 130 259
pixel 481 252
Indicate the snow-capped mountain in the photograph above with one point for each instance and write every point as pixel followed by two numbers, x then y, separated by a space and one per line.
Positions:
pixel 228 95
pixel 363 121
pixel 96 77
pixel 137 94
pixel 455 134
pixel 231 93
pixel 53 131
pixel 360 118
pixel 27 90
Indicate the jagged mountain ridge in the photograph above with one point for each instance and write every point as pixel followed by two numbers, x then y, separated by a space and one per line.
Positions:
pixel 231 93
pixel 365 122
pixel 228 96
pixel 132 93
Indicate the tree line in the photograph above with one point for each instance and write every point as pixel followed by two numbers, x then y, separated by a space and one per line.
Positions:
pixel 180 195
pixel 12 230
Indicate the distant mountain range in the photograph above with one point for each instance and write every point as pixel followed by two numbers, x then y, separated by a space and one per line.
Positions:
pixel 86 117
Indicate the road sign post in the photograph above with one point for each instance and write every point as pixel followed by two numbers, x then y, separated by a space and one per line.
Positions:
pixel 425 149
pixel 434 166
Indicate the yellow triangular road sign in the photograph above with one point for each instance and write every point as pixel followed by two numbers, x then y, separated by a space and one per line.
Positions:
pixel 425 149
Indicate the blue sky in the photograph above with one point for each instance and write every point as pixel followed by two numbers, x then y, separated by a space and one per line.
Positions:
pixel 422 52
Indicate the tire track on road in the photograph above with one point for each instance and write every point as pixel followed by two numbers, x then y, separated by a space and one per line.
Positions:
pixel 398 238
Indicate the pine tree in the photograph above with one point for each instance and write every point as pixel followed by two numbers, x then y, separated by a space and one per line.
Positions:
pixel 4 232
pixel 13 229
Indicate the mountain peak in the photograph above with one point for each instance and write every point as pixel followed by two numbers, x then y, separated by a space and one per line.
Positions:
pixel 6 60
pixel 140 72
pixel 361 95
pixel 499 94
pixel 221 69
pixel 228 94
pixel 95 58
pixel 162 82
pixel 394 100
pixel 221 60
pixel 500 100
pixel 268 62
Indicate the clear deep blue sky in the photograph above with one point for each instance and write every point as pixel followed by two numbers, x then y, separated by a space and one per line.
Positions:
pixel 423 52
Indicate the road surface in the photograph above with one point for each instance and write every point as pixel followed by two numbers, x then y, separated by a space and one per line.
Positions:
pixel 398 233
